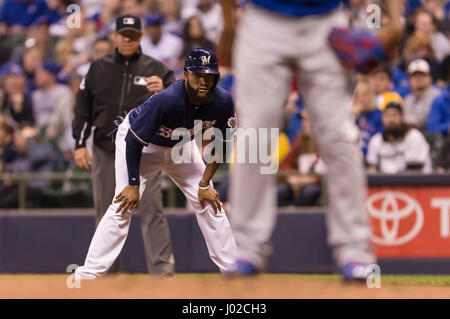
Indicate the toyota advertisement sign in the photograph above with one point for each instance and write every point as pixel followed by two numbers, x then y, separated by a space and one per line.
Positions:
pixel 410 221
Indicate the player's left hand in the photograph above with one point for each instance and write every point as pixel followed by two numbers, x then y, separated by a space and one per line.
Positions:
pixel 129 198
pixel 212 196
pixel 155 84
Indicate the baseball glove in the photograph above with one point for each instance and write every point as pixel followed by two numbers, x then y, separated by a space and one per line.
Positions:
pixel 358 49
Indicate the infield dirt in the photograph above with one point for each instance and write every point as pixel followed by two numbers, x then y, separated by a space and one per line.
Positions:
pixel 206 287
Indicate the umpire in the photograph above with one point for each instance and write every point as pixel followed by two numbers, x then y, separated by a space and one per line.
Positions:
pixel 115 84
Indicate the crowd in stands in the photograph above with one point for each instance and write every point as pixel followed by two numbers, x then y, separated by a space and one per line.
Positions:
pixel 402 109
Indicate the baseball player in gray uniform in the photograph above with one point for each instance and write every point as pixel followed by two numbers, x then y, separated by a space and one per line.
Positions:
pixel 276 38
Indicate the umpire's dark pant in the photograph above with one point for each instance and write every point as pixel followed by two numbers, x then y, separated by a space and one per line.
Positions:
pixel 154 226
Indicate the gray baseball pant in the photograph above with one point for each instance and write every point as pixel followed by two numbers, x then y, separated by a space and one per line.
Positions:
pixel 268 49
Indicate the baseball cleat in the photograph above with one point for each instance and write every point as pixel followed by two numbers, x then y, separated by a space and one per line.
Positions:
pixel 355 271
pixel 242 268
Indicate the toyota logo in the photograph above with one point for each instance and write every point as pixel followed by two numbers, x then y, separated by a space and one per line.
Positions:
pixel 390 208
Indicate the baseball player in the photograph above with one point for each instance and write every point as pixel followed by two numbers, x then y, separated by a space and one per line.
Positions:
pixel 275 38
pixel 144 144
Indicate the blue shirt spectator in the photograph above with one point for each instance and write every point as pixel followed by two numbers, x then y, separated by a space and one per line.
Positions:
pixel 439 118
pixel 369 124
pixel 22 12
pixel 368 117
pixel 401 82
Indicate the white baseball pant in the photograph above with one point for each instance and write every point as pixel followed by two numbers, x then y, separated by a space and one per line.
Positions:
pixel 112 230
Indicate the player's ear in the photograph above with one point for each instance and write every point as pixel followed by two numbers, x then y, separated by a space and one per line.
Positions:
pixel 185 75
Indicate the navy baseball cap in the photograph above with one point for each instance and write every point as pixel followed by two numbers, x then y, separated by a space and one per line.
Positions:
pixel 154 19
pixel 11 68
pixel 128 22
pixel 51 67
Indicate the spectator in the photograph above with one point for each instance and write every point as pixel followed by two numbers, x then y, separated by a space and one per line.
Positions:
pixel 443 157
pixel 7 151
pixel 133 7
pixel 92 7
pixel 417 105
pixel 445 22
pixel 8 192
pixel 435 8
pixel 17 15
pixel 442 76
pixel 82 38
pixel 304 189
pixel 65 57
pixel 17 104
pixel 427 25
pixel 31 60
pixel 171 10
pixel 419 47
pixel 37 35
pixel 57 15
pixel 100 48
pixel 194 37
pixel 367 115
pixel 399 147
pixel 411 7
pixel 210 14
pixel 102 22
pixel 163 46
pixel 65 139
pixel 52 101
pixel 68 59
pixel 380 79
pixel 31 155
pixel 439 117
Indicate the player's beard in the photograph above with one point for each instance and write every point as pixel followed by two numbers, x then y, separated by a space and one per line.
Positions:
pixel 196 99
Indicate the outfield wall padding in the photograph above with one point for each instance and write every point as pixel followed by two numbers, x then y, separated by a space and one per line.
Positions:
pixel 49 241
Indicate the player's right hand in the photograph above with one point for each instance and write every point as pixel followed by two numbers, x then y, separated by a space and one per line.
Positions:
pixel 129 199
pixel 212 196
pixel 82 158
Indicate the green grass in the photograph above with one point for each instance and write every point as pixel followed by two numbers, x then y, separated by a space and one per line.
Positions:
pixel 421 280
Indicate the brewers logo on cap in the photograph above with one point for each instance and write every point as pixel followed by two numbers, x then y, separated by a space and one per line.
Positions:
pixel 205 59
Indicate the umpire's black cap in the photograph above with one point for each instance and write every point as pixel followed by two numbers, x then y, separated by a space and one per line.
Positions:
pixel 128 22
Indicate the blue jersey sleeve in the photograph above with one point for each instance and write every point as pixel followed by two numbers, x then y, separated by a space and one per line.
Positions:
pixel 147 118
